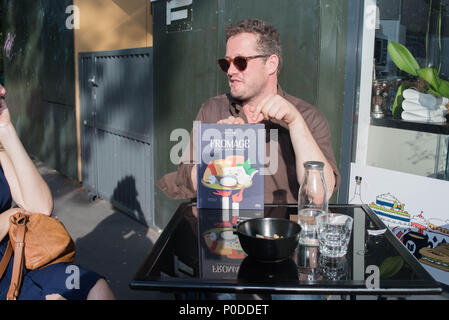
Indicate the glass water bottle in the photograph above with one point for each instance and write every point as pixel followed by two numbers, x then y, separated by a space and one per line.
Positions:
pixel 312 201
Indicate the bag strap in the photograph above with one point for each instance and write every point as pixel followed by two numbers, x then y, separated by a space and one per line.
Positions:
pixel 5 260
pixel 6 257
pixel 20 220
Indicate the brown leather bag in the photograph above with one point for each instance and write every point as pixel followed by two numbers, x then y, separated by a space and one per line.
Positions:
pixel 38 241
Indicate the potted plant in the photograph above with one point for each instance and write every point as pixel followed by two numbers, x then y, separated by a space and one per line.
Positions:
pixel 427 78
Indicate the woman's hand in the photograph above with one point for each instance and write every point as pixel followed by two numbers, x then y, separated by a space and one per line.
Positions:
pixel 4 221
pixel 5 119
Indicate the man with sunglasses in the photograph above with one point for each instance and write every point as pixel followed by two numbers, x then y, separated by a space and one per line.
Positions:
pixel 252 64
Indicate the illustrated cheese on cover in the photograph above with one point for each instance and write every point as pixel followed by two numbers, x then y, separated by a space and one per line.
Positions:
pixel 215 168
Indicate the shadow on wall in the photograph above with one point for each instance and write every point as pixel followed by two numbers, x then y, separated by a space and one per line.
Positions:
pixel 125 195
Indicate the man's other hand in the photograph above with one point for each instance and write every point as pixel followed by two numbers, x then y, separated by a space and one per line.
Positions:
pixel 232 120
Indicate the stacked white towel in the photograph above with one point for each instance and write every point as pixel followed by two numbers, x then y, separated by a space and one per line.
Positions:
pixel 418 106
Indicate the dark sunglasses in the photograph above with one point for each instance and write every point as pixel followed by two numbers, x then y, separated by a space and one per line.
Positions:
pixel 239 62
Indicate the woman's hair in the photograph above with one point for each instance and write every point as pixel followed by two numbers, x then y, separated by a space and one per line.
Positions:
pixel 268 37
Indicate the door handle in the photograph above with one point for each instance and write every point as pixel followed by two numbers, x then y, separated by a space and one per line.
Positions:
pixel 92 81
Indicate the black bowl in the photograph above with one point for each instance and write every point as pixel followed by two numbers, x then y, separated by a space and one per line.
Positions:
pixel 268 249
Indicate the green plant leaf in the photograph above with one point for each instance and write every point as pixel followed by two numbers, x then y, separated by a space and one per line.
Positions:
pixel 397 106
pixel 390 266
pixel 433 92
pixel 431 76
pixel 444 88
pixel 402 58
pixel 438 86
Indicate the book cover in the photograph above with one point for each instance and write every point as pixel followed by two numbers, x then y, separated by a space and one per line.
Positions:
pixel 220 251
pixel 230 165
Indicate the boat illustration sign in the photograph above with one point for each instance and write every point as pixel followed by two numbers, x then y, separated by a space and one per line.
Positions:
pixel 413 207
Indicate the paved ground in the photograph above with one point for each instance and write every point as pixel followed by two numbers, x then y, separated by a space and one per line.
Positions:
pixel 107 241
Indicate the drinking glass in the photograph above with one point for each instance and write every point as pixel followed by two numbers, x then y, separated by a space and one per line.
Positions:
pixel 334 233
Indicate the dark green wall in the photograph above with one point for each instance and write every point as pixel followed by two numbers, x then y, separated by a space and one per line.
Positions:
pixel 40 79
pixel 332 65
pixel 313 35
pixel 185 75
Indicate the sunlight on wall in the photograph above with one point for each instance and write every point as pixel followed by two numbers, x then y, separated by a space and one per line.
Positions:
pixel 113 25
pixel 110 25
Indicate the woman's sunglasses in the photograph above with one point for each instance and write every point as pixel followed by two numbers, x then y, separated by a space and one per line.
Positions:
pixel 239 62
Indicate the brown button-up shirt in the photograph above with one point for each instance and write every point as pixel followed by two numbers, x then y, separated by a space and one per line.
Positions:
pixel 281 187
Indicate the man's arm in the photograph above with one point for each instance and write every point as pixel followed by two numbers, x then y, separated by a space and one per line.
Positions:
pixel 307 149
pixel 304 144
pixel 182 184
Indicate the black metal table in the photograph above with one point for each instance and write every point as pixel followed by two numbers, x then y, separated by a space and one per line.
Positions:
pixel 198 252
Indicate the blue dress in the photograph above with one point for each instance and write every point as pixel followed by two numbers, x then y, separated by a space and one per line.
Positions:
pixel 69 280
